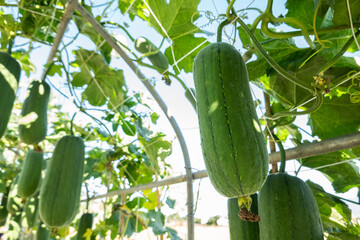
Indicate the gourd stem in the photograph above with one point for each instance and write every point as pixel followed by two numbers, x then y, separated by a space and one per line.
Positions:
pixel 87 197
pixel 47 71
pixel 274 64
pixel 282 153
pixel 11 43
pixel 72 124
pixel 340 53
pixel 229 8
pixel 315 107
pixel 122 28
pixel 220 28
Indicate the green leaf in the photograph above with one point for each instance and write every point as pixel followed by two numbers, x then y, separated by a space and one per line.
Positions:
pixel 185 48
pixel 282 51
pixel 128 127
pixel 172 233
pixel 103 83
pixel 55 69
pixel 134 8
pixel 157 149
pixel 88 30
pixel 26 65
pixel 151 202
pixel 157 221
pixel 173 18
pixel 335 214
pixel 301 10
pixel 337 116
pixel 154 117
pixel 341 15
pixel 170 202
pixel 342 176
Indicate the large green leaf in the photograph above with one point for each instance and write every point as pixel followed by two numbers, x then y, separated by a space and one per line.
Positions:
pixel 335 214
pixel 282 89
pixel 282 51
pixel 88 30
pixel 184 50
pixel 302 10
pixel 133 8
pixel 341 15
pixel 337 116
pixel 157 149
pixel 102 82
pixel 343 176
pixel 174 18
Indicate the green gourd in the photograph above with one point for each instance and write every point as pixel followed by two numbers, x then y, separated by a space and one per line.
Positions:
pixel 42 232
pixel 61 188
pixel 288 210
pixel 232 141
pixel 31 210
pixel 15 202
pixel 240 229
pixel 9 79
pixel 86 222
pixel 33 121
pixel 30 176
pixel 3 211
pixel 156 57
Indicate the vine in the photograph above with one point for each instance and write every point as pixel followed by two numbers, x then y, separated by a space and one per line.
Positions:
pixel 278 68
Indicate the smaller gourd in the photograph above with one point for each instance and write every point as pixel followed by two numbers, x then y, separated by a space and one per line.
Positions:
pixel 30 176
pixel 3 211
pixel 42 232
pixel 85 223
pixel 33 121
pixel 156 57
pixel 61 188
pixel 31 210
pixel 240 229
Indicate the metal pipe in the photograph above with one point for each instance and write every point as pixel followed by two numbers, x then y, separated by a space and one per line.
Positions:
pixel 84 13
pixel 69 10
pixel 165 182
pixel 303 151
pixel 325 146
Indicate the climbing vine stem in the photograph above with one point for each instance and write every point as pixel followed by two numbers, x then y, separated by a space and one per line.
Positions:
pixel 277 67
pixel 220 28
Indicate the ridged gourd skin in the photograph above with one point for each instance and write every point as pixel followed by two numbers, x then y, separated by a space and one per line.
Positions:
pixel 14 203
pixel 158 59
pixel 33 121
pixel 233 144
pixel 240 229
pixel 9 79
pixel 3 211
pixel 288 210
pixel 42 232
pixel 31 210
pixel 86 221
pixel 61 188
pixel 30 175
